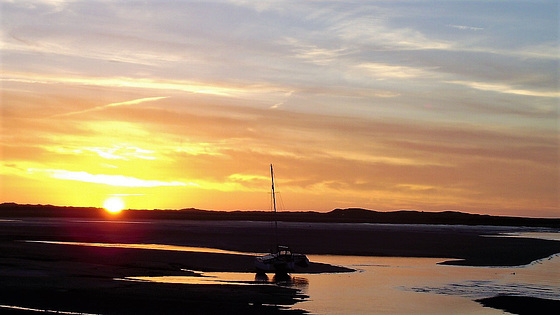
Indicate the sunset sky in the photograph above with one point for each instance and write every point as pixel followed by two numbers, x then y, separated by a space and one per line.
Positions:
pixel 385 105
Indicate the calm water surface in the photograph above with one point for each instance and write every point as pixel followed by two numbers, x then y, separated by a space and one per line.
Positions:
pixel 386 285
pixel 397 285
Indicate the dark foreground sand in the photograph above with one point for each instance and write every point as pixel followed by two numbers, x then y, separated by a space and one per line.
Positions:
pixel 522 305
pixel 78 278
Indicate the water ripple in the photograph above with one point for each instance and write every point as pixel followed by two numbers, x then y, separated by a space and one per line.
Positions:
pixel 483 289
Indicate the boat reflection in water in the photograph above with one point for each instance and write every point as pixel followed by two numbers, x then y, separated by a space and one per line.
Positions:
pixel 284 280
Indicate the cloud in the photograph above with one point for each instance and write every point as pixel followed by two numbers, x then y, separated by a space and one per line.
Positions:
pixel 121 152
pixel 247 177
pixel 374 32
pixel 111 180
pixel 466 28
pixel 257 91
pixel 505 88
pixel 381 71
pixel 127 103
pixel 312 53
pixel 141 83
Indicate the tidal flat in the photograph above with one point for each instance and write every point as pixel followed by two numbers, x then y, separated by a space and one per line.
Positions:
pixel 85 279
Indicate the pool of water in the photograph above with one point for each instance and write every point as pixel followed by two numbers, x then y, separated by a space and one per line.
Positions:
pixel 396 285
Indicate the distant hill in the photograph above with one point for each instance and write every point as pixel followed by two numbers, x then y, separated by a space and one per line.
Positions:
pixel 351 215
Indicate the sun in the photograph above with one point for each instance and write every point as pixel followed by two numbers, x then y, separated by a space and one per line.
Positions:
pixel 114 204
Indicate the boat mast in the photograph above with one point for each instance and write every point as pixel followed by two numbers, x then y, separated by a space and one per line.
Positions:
pixel 274 204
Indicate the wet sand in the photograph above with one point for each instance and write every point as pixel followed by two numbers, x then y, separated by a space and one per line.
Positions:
pixel 84 279
pixel 81 278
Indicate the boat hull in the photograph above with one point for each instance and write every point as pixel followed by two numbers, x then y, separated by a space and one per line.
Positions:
pixel 282 262
pixel 282 267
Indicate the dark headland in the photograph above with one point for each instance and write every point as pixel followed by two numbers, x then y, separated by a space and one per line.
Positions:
pixel 350 215
pixel 78 278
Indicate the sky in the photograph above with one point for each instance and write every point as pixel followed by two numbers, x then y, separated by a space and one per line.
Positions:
pixel 384 105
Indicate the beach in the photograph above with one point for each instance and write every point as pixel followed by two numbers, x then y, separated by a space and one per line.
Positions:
pixel 91 279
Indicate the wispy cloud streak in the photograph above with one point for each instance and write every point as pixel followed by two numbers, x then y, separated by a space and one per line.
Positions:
pixel 111 180
pixel 466 28
pixel 507 89
pixel 126 103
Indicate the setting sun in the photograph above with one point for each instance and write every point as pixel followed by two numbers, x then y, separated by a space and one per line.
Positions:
pixel 114 204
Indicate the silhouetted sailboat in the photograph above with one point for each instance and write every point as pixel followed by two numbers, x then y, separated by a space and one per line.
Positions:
pixel 283 260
